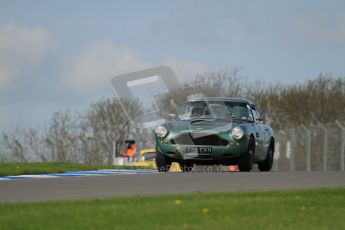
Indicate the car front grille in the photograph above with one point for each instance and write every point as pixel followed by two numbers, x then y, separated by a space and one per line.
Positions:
pixel 199 139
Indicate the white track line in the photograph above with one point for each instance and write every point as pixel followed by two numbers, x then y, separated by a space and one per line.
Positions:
pixel 101 172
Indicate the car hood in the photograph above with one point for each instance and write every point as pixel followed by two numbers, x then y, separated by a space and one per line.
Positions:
pixel 202 124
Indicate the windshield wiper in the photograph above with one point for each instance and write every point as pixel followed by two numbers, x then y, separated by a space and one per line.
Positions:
pixel 233 117
pixel 236 117
pixel 241 118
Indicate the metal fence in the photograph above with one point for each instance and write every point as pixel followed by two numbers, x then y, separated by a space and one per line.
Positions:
pixel 318 147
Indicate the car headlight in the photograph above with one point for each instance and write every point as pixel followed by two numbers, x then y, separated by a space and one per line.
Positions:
pixel 237 133
pixel 161 131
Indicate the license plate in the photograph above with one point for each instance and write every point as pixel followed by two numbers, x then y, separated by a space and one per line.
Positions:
pixel 198 150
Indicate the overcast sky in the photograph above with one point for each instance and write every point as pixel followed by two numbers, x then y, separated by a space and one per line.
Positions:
pixel 62 54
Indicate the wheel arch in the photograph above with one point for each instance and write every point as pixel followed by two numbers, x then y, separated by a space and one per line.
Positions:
pixel 272 143
pixel 251 136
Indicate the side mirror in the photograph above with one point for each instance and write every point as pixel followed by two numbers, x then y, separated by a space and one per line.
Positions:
pixel 259 120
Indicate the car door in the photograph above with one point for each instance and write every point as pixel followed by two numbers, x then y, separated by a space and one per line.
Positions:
pixel 266 134
pixel 260 135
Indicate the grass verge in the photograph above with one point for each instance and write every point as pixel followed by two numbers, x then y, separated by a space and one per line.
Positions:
pixel 301 209
pixel 12 169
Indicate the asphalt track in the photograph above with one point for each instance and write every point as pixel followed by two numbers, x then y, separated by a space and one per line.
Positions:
pixel 65 188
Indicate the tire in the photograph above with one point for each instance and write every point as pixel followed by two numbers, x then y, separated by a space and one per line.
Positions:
pixel 245 163
pixel 163 163
pixel 266 165
pixel 186 167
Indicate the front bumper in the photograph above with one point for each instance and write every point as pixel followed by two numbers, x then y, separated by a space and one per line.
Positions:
pixel 218 154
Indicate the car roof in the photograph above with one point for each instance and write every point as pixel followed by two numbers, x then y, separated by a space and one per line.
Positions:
pixel 234 99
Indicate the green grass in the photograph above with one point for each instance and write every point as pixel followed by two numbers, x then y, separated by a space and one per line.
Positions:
pixel 301 209
pixel 11 169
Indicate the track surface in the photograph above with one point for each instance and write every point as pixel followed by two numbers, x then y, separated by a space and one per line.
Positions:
pixel 162 183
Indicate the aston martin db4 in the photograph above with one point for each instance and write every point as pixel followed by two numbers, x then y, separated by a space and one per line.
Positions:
pixel 215 131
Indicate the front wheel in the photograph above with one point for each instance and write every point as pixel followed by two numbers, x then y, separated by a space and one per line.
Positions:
pixel 245 163
pixel 163 163
pixel 266 165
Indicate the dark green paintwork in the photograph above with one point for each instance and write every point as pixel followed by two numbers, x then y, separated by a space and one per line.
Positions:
pixel 225 155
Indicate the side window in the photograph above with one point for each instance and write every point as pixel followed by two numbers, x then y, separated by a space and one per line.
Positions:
pixel 255 114
pixel 250 114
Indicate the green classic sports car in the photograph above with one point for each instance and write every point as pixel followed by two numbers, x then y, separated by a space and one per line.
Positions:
pixel 213 130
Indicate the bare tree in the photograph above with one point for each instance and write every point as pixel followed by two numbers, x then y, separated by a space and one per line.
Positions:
pixel 107 122
pixel 63 136
pixel 89 137
pixel 12 142
pixel 221 83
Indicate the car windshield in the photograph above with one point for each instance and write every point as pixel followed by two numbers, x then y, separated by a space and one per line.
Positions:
pixel 215 109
